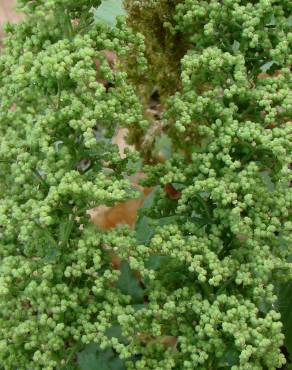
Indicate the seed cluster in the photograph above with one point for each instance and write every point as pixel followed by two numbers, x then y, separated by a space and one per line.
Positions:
pixel 212 286
pixel 196 284
pixel 56 162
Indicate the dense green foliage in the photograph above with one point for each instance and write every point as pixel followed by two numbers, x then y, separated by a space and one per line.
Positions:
pixel 211 258
pixel 57 161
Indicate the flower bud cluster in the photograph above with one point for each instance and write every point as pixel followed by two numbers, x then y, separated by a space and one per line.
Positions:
pixel 212 285
pixel 57 286
pixel 204 267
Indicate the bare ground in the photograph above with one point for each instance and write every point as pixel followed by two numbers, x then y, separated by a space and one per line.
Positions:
pixel 7 13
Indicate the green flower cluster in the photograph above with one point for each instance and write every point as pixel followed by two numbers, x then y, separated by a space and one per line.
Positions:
pixel 210 282
pixel 195 287
pixel 210 272
pixel 260 30
pixel 56 162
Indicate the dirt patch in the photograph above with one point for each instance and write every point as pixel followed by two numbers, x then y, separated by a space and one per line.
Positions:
pixel 8 14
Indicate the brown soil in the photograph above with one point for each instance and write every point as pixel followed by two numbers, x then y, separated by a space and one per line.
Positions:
pixel 8 13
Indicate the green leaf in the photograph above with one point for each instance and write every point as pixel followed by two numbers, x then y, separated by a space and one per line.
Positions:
pixel 93 358
pixel 204 211
pixel 267 180
pixel 128 283
pixel 139 306
pixel 285 308
pixel 265 67
pixel 49 244
pixel 235 46
pixel 108 11
pixel 155 261
pixel 134 166
pixel 149 200
pixel 65 231
pixel 163 147
pixel 230 358
pixel 169 271
pixel 51 255
pixel 107 360
pixel 87 359
pixel 115 331
pixel 264 307
pixel 70 367
pixel 144 230
pixel 145 227
pixel 272 21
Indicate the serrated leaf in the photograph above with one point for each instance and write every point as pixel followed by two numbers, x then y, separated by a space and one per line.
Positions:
pixel 272 21
pixel 92 358
pixel 70 367
pixel 107 360
pixel 128 284
pixel 200 221
pixel 162 264
pixel 134 167
pixel 144 230
pixel 139 306
pixel 230 358
pixel 163 147
pixel 149 199
pixel 169 270
pixel 108 11
pixel 145 227
pixel 235 46
pixel 155 261
pixel 115 331
pixel 264 307
pixel 87 359
pixel 285 308
pixel 51 255
pixel 267 180
pixel 166 220
pixel 47 241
